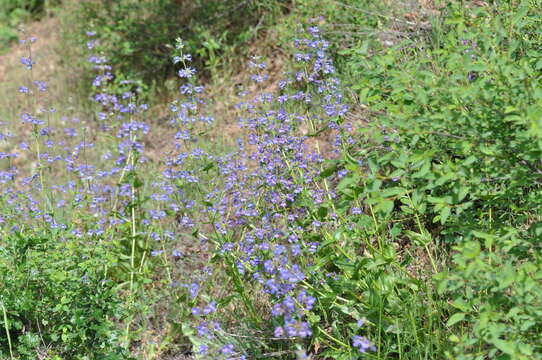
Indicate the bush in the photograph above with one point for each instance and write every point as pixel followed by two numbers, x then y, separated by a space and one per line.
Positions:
pixel 55 299
pixel 136 35
pixel 496 287
pixel 456 122
pixel 452 157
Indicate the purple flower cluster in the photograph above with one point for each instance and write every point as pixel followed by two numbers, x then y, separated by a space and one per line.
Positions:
pixel 260 211
pixel 362 344
pixel 263 211
pixel 90 185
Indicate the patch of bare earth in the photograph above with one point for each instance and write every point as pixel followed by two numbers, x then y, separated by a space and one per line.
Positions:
pixel 45 52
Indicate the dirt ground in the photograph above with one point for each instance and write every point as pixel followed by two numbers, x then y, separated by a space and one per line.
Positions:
pixel 45 50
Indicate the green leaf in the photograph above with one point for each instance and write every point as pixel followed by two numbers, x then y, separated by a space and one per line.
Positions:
pixel 390 192
pixel 385 206
pixel 445 178
pixel 506 347
pixel 455 318
pixel 444 214
pixel 525 349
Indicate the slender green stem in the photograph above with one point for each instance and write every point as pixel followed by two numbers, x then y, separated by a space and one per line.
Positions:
pixel 380 246
pixel 240 288
pixel 6 327
pixel 132 254
pixel 399 347
pixel 380 305
pixel 133 236
pixel 35 129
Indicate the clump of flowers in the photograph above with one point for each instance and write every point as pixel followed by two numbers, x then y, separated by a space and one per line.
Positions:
pixel 265 213
pixel 259 218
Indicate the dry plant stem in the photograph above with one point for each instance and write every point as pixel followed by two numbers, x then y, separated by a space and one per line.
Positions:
pixel 6 328
pixel 122 174
pixel 326 185
pixel 313 130
pixel 132 255
pixel 116 197
pixel 40 332
pixel 166 264
pixel 335 340
pixel 371 13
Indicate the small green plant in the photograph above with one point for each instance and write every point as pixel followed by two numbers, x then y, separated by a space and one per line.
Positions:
pixel 54 297
pixel 496 290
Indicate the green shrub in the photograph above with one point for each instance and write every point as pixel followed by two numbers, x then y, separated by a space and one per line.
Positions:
pixel 34 7
pixel 136 35
pixel 458 122
pixel 496 287
pixel 450 154
pixel 54 298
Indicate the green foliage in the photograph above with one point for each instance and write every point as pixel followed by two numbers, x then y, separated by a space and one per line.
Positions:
pixel 451 155
pixel 440 259
pixel 7 35
pixel 30 6
pixel 459 124
pixel 136 35
pixel 55 298
pixel 376 275
pixel 496 289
